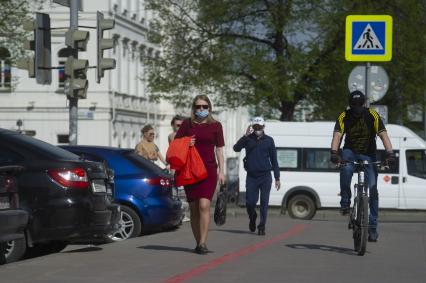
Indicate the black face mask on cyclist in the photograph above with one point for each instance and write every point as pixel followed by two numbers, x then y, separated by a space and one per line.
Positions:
pixel 357 111
pixel 356 103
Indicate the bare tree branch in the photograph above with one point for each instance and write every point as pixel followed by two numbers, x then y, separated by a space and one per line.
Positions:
pixel 243 36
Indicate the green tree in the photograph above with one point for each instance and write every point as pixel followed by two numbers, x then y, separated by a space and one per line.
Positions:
pixel 272 54
pixel 406 70
pixel 12 15
pixel 246 52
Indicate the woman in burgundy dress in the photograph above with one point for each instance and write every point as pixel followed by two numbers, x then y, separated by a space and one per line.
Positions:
pixel 207 137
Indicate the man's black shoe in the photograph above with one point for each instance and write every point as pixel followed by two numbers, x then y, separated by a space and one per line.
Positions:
pixel 344 210
pixel 252 224
pixel 261 231
pixel 372 239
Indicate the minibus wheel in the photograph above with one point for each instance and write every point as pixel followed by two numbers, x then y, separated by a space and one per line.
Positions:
pixel 301 207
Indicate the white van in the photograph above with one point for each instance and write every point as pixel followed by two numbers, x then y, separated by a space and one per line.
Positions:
pixel 310 182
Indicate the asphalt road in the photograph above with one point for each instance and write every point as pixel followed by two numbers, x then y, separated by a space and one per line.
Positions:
pixel 292 251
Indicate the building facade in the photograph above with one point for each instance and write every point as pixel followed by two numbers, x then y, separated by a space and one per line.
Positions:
pixel 116 109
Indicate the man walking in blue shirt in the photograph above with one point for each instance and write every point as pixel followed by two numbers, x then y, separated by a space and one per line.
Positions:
pixel 260 160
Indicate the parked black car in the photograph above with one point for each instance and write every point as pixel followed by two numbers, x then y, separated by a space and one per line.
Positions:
pixel 12 219
pixel 65 197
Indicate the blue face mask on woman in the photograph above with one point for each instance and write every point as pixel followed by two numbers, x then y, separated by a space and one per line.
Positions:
pixel 202 114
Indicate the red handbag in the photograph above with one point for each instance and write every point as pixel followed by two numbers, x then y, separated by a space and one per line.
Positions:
pixel 177 153
pixel 193 171
pixel 198 169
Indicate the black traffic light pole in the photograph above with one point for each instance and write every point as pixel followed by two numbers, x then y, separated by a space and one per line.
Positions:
pixel 73 100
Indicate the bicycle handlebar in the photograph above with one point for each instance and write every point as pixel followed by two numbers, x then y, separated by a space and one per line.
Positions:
pixel 364 163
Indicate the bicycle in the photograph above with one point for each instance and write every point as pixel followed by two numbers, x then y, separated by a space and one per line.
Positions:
pixel 358 216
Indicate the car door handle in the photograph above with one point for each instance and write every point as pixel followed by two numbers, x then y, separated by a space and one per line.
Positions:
pixel 394 180
pixel 404 179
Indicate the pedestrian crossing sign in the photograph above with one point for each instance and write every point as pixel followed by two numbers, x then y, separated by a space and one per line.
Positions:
pixel 368 38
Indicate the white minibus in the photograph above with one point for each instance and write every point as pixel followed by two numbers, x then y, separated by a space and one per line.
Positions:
pixel 309 181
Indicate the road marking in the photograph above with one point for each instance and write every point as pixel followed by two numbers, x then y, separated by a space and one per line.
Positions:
pixel 190 274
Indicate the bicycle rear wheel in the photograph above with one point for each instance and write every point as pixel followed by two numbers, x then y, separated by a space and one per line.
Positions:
pixel 361 229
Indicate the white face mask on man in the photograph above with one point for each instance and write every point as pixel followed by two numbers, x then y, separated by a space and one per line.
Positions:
pixel 258 133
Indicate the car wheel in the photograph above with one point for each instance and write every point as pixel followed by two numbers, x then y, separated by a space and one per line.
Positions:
pixel 130 225
pixel 301 207
pixel 15 250
pixel 2 253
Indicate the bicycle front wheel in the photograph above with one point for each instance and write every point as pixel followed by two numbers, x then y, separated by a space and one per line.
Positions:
pixel 361 229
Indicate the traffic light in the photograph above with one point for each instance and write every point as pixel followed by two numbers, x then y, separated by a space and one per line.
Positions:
pixel 40 65
pixel 102 44
pixel 29 44
pixel 76 82
pixel 43 57
pixel 77 39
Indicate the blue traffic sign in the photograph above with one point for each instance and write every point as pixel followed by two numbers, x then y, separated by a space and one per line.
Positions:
pixel 368 38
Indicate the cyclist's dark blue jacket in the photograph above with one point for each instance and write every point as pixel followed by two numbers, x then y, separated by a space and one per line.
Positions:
pixel 262 155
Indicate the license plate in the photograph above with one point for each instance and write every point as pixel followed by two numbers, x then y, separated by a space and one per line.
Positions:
pixel 4 203
pixel 98 186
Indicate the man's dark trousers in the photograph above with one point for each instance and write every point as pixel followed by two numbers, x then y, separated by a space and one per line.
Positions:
pixel 254 185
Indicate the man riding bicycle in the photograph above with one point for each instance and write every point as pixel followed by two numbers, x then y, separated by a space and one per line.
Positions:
pixel 361 125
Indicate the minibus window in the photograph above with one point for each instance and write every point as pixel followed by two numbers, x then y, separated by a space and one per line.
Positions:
pixel 416 163
pixel 381 155
pixel 288 158
pixel 318 159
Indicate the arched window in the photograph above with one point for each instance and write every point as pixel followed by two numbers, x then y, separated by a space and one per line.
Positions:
pixel 63 54
pixel 5 75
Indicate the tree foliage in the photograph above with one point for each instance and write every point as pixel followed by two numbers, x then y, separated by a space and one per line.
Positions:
pixel 406 71
pixel 12 15
pixel 273 54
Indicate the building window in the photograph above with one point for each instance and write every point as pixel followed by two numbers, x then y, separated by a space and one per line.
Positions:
pixel 63 139
pixel 5 74
pixel 63 54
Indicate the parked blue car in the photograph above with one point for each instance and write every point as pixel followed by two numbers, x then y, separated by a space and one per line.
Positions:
pixel 144 191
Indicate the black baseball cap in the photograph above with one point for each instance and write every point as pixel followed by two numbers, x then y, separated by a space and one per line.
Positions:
pixel 356 99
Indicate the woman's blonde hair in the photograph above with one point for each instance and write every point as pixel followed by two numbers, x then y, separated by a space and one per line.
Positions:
pixel 205 98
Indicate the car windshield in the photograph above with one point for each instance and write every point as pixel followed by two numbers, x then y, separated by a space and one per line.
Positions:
pixel 44 148
pixel 143 163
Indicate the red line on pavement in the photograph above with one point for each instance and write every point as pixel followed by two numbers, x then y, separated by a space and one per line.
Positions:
pixel 190 274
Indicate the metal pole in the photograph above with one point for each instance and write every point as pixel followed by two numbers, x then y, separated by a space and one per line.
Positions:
pixel 424 96
pixel 367 83
pixel 424 115
pixel 73 102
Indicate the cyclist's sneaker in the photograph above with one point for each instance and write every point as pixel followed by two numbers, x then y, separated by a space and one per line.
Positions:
pixel 344 210
pixel 373 236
